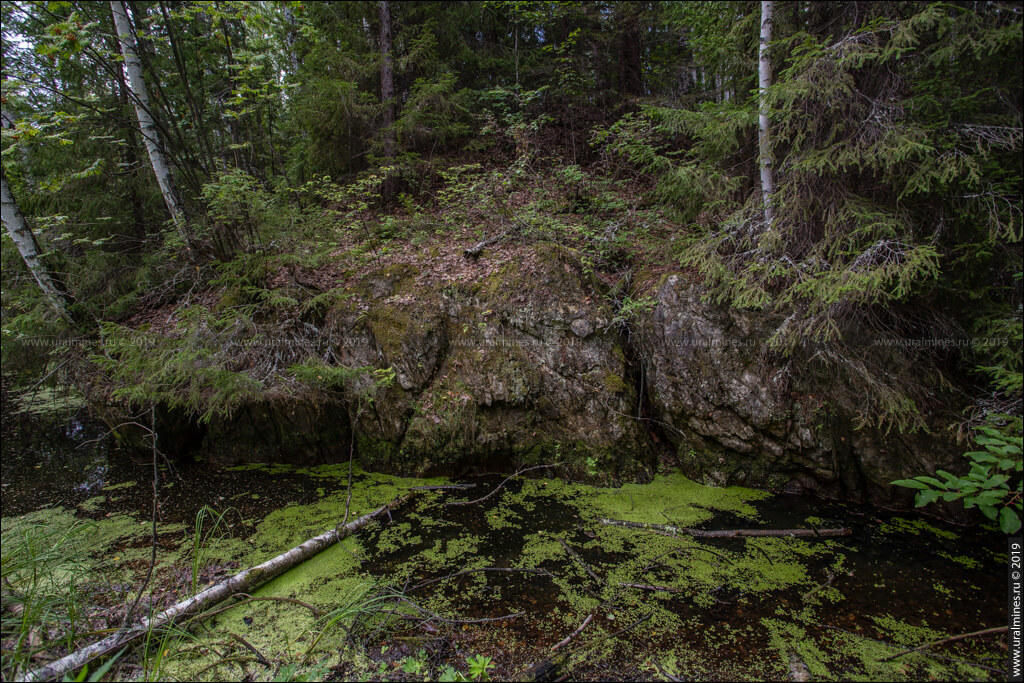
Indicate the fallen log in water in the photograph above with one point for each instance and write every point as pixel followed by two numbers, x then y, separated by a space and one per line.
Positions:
pixel 242 582
pixel 728 533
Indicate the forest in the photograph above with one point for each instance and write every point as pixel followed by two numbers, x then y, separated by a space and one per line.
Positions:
pixel 446 340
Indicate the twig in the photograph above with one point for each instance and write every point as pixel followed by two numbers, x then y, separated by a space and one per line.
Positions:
pixel 442 488
pixel 507 480
pixel 821 586
pixel 631 626
pixel 156 502
pixel 579 560
pixel 249 646
pixel 572 636
pixel 762 551
pixel 351 454
pixel 649 587
pixel 667 675
pixel 446 620
pixel 681 549
pixel 539 572
pixel 943 641
pixel 206 615
pixel 888 644
pixel 225 660
pixel 727 533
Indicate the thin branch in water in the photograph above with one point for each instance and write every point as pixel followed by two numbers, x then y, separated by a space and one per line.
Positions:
pixel 507 480
pixel 572 636
pixel 579 560
pixel 649 587
pixel 539 572
pixel 249 646
pixel 727 533
pixel 156 502
pixel 446 487
pixel 943 641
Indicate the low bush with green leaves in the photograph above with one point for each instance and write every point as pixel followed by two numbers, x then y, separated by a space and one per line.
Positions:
pixel 993 483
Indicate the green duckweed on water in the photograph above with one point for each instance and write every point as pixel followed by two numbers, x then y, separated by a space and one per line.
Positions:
pixel 724 608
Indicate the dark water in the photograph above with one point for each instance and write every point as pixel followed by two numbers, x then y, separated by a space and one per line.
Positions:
pixel 884 574
pixel 68 459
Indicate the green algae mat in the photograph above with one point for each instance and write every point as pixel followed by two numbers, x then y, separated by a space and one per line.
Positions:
pixel 442 592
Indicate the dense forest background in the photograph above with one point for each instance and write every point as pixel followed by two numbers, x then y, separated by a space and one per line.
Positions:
pixel 158 150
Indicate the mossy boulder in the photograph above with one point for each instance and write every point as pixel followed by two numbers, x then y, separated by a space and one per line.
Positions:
pixel 511 367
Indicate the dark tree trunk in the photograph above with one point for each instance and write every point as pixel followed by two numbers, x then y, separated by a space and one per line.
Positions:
pixel 630 69
pixel 387 96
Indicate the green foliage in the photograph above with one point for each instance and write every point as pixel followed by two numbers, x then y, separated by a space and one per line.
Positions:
pixel 42 573
pixel 993 483
pixel 237 209
pixel 478 667
pixel 632 310
pixel 187 369
pixel 210 528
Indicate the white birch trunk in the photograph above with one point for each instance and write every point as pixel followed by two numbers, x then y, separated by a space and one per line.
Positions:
pixel 23 238
pixel 764 81
pixel 140 96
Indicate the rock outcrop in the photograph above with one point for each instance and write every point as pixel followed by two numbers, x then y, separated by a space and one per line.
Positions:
pixel 517 368
pixel 516 361
pixel 737 417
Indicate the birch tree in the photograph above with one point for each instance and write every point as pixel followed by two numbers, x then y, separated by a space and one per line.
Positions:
pixel 28 247
pixel 764 81
pixel 143 111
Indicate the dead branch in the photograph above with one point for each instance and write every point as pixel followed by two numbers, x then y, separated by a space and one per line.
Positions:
pixel 261 598
pixel 728 533
pixel 539 572
pixel 477 248
pixel 156 505
pixel 572 636
pixel 507 480
pixel 943 641
pixel 631 626
pixel 249 646
pixel 579 560
pixel 244 581
pixel 443 488
pixel 649 587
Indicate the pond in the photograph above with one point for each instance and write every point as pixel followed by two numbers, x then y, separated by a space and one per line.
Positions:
pixel 435 586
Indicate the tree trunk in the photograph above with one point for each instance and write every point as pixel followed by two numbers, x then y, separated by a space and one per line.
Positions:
pixel 764 81
pixel 242 582
pixel 387 95
pixel 197 120
pixel 23 238
pixel 291 37
pixel 143 111
pixel 629 52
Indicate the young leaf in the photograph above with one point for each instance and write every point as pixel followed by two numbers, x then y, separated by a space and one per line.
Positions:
pixel 910 483
pixel 989 511
pixel 1009 520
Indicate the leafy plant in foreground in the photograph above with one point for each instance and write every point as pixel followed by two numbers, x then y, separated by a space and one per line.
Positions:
pixel 993 483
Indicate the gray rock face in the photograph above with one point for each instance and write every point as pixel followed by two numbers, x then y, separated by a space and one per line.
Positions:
pixel 495 373
pixel 518 365
pixel 735 418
